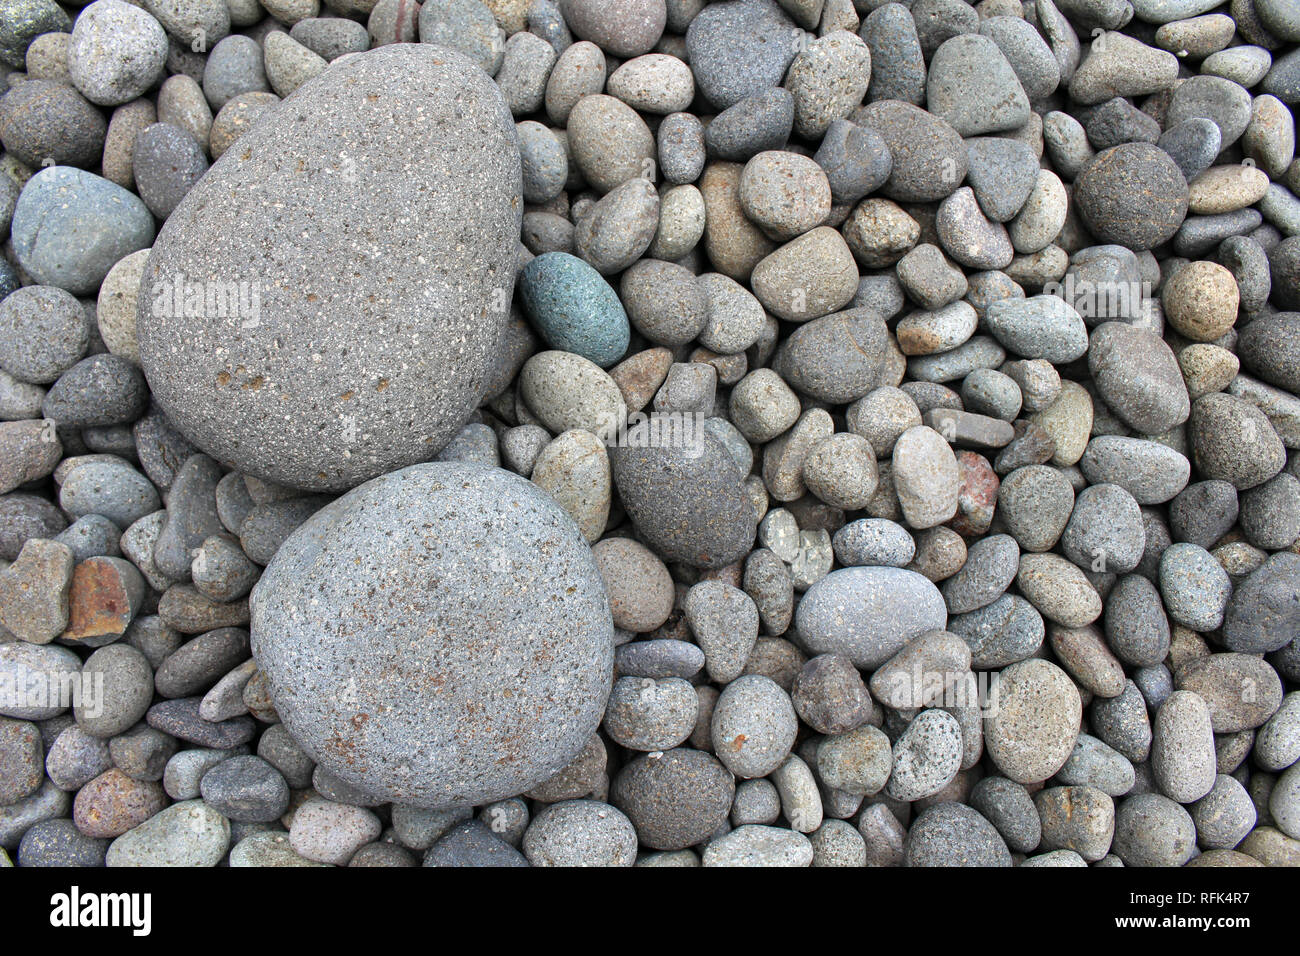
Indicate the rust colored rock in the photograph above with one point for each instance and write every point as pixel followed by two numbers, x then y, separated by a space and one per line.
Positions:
pixel 977 497
pixel 105 597
pixel 113 803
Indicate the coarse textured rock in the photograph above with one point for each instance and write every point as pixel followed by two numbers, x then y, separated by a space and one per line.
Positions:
pixel 564 643
pixel 286 299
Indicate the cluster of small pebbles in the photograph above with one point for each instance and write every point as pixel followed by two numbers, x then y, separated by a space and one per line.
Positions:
pixel 341 522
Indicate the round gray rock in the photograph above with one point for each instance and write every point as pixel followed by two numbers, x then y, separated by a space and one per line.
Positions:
pixel 402 690
pixel 309 374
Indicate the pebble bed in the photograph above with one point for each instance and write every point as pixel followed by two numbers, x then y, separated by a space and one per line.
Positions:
pixel 649 432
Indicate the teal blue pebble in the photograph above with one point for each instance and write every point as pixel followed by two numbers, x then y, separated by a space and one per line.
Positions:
pixel 573 308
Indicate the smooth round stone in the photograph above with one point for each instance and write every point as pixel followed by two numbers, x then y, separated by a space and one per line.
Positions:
pixel 21 759
pixel 1268 347
pixel 841 471
pixel 659 658
pixel 675 799
pixel 233 68
pixel 44 122
pixel 1151 472
pixel 49 234
pixel 125 682
pixel 117 52
pixel 1270 513
pixel 1035 503
pixel 991 565
pixel 23 21
pixel 836 358
pixel 1079 819
pixel 468 28
pixel 828 79
pixel 664 302
pixel 1003 173
pixel 682 151
pixel 687 503
pixel 566 391
pixel 1105 530
pixel 874 541
pixel 609 141
pixel 545 163
pixel 968 236
pixel 102 390
pixel 526 65
pixel 1136 627
pixel 925 476
pixel 809 277
pixel 1200 301
pixel 830 696
pixel 580 833
pixel 620 227
pixel 189 833
pixel 971 86
pixel 114 803
pixel 1133 195
pixel 1095 764
pixel 654 83
pixel 1152 830
pixel 574 308
pixel 167 163
pixel 753 726
pixel 855 160
pixel 1240 691
pixel 929 158
pixel 1182 747
pixel 267 848
pixel 952 834
pixel 739 49
pixel 625 28
pixel 236 117
pixel 868 613
pixel 44 333
pixel 246 789
pixel 1041 327
pixel 648 715
pixel 1058 589
pixel 1194 585
pixel 1225 103
pixel 1232 440
pixel 784 193
pixel 1224 816
pixel 59 843
pixel 1138 376
pixel 561 644
pixel 639 585
pixel 1001 633
pixel 331 37
pixel 1009 807
pixel 1265 608
pixel 1122 722
pixel 1034 728
pixel 290 299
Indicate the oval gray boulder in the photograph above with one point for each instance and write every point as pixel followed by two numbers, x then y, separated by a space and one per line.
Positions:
pixel 478 668
pixel 324 306
pixel 868 613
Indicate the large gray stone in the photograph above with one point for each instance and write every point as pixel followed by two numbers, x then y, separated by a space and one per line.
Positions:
pixel 383 209
pixel 476 668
